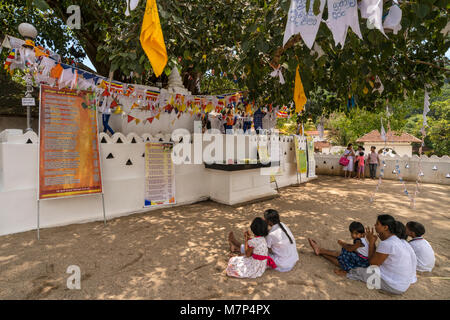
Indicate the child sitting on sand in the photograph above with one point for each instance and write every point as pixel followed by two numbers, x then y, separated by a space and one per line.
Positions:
pixel 423 250
pixel 352 255
pixel 256 258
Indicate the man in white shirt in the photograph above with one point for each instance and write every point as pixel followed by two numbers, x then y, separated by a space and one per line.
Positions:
pixel 423 250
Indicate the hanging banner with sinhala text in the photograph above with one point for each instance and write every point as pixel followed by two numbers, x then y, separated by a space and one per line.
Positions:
pixel 311 160
pixel 69 163
pixel 300 154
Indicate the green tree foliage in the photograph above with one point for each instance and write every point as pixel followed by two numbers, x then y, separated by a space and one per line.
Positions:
pixel 243 38
pixel 437 140
pixel 406 116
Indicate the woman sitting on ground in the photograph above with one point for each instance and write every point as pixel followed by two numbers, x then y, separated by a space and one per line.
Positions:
pixel 400 232
pixel 280 241
pixel 392 257
pixel 256 258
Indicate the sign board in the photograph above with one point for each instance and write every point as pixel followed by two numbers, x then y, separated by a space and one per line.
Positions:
pixel 311 160
pixel 300 154
pixel 159 174
pixel 28 102
pixel 69 163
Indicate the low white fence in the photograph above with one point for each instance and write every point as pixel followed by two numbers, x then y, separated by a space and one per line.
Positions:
pixel 435 169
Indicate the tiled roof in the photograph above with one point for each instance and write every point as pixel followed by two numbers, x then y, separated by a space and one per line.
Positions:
pixel 312 133
pixel 321 144
pixel 391 136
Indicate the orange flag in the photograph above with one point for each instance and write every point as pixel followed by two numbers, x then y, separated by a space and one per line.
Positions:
pixel 299 93
pixel 152 39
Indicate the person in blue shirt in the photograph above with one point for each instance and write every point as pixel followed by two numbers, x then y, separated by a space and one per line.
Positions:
pixel 257 120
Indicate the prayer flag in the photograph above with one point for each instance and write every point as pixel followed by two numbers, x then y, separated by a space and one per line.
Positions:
pixel 299 93
pixel 305 23
pixel 152 39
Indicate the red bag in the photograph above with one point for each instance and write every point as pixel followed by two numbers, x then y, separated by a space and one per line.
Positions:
pixel 343 161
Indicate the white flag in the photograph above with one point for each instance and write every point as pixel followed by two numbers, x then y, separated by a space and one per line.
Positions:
pixel 393 19
pixel 446 30
pixel 382 132
pixel 320 128
pixel 299 21
pixel 341 15
pixel 277 73
pixel 380 88
pixel 131 5
pixel 426 108
pixel 372 10
pixel 317 49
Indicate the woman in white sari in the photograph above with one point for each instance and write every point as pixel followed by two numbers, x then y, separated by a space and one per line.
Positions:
pixel 350 154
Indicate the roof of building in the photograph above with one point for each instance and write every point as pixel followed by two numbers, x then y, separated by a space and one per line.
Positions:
pixel 312 133
pixel 321 144
pixel 391 136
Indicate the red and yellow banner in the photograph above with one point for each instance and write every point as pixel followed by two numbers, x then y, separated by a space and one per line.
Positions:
pixel 69 163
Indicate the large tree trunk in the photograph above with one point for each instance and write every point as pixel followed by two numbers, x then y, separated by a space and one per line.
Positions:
pixel 191 81
pixel 89 38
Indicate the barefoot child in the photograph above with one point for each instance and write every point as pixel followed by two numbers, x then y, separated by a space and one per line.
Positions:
pixel 256 257
pixel 424 251
pixel 360 159
pixel 352 255
pixel 400 232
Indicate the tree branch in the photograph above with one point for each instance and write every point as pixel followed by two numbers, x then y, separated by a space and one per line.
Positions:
pixel 426 63
pixel 279 51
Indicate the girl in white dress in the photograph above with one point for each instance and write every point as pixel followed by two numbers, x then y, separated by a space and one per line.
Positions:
pixel 281 242
pixel 350 154
pixel 256 258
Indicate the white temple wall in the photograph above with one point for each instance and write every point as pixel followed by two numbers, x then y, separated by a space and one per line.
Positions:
pixel 123 184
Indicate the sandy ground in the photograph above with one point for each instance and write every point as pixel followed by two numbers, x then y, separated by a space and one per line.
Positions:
pixel 182 252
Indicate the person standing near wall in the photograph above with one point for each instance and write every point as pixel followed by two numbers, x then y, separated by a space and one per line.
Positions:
pixel 247 123
pixel 257 120
pixel 106 114
pixel 350 154
pixel 374 161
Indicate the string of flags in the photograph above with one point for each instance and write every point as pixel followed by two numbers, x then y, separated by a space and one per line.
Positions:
pixel 341 16
pixel 426 109
pixel 122 98
pixel 397 171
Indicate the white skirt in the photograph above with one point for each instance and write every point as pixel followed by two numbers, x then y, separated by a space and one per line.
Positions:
pixel 349 167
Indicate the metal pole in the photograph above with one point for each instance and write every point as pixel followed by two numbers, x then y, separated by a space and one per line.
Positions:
pixel 104 211
pixel 29 84
pixel 38 213
pixel 28 119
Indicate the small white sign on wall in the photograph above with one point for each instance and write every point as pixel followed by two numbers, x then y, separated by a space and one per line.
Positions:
pixel 28 102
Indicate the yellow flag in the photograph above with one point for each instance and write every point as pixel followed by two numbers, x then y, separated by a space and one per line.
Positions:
pixel 299 93
pixel 152 39
pixel 248 108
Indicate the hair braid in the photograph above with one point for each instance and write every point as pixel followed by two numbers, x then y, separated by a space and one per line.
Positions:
pixel 282 228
